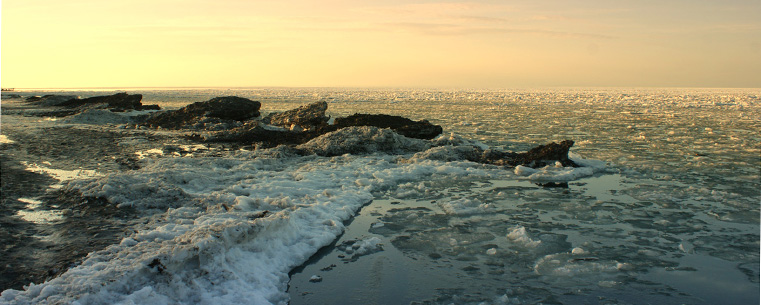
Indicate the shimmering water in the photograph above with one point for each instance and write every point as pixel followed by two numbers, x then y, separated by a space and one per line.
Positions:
pixel 672 218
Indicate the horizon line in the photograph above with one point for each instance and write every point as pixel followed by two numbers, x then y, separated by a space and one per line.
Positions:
pixel 11 89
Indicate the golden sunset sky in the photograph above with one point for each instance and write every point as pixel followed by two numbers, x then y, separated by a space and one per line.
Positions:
pixel 475 44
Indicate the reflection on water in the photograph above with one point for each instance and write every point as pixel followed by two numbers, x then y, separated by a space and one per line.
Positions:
pixel 34 213
pixel 589 242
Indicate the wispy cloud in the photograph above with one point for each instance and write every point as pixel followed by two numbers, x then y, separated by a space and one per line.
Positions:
pixel 464 30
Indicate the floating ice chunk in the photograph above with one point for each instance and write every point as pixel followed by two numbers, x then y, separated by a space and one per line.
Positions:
pixel 358 248
pixel 686 247
pixel 564 264
pixel 491 251
pixel 521 170
pixel 315 278
pixel 465 206
pixel 519 235
pixel 578 159
pixel 367 246
pixel 578 251
pixel 554 173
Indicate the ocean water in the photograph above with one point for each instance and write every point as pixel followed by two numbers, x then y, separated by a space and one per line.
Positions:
pixel 665 210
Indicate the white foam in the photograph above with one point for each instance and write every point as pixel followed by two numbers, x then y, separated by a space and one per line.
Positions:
pixel 209 239
pixel 519 235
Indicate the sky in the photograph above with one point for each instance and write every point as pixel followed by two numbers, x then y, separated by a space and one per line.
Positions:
pixel 361 43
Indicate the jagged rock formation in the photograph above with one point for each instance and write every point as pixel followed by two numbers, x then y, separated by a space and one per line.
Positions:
pixel 356 134
pixel 539 156
pixel 66 105
pixel 116 102
pixel 362 140
pixel 308 117
pixel 403 126
pixel 50 99
pixel 216 110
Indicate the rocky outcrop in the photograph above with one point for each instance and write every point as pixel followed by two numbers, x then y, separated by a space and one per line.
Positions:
pixel 117 102
pixel 401 125
pixel 543 155
pixel 358 134
pixel 308 117
pixel 67 105
pixel 362 140
pixel 50 99
pixel 264 137
pixel 217 110
pixel 537 157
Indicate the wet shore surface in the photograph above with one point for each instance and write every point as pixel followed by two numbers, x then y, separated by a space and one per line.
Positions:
pixel 47 230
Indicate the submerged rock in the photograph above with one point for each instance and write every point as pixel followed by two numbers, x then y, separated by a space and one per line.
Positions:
pixel 403 126
pixel 228 108
pixel 308 117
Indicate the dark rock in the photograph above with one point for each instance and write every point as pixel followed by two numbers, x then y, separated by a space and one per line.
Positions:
pixel 307 117
pixel 544 155
pixel 251 132
pixel 150 107
pixel 229 108
pixel 51 99
pixel 539 156
pixel 554 184
pixel 117 102
pixel 403 126
pixel 73 104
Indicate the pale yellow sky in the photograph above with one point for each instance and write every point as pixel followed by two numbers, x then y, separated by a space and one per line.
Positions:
pixel 497 44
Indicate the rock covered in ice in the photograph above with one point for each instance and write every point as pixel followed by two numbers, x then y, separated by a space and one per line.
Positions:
pixel 362 140
pixel 404 126
pixel 231 108
pixel 449 153
pixel 306 117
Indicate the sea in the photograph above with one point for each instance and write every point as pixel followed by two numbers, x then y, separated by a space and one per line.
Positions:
pixel 664 210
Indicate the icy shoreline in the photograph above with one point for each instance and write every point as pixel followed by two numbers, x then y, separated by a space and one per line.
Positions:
pixel 229 226
pixel 678 206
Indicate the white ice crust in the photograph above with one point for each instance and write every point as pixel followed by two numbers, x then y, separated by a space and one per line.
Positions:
pixel 208 239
